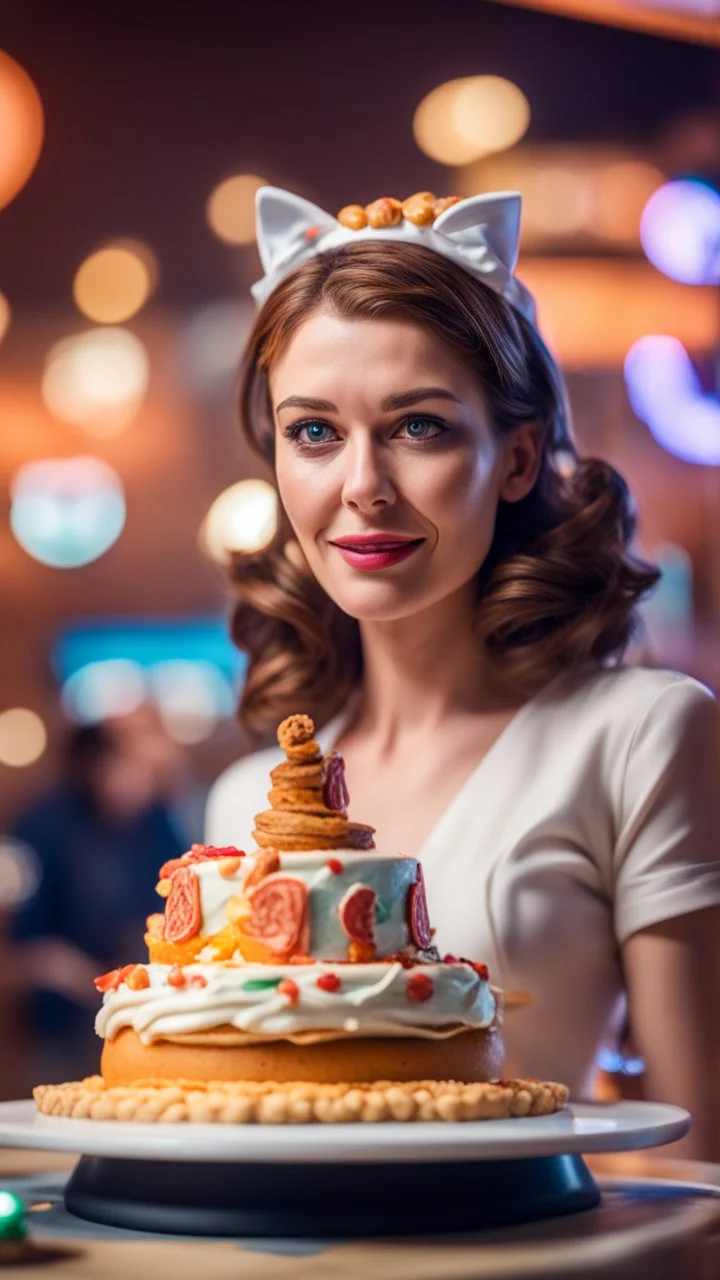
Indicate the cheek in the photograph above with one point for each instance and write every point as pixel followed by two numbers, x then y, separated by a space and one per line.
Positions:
pixel 456 491
pixel 306 493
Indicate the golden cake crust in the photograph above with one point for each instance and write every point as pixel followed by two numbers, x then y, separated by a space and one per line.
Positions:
pixel 471 1056
pixel 272 1102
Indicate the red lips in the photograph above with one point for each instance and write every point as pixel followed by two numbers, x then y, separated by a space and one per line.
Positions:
pixel 376 550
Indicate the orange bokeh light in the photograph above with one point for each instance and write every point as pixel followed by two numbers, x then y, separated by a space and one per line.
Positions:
pixel 22 128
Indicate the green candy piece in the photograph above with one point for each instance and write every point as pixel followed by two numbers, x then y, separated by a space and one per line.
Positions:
pixel 382 911
pixel 260 984
pixel 12 1217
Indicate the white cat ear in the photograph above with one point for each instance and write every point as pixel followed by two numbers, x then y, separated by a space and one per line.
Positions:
pixel 286 224
pixel 486 222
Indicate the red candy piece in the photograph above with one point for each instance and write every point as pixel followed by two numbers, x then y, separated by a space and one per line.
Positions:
pixel 419 988
pixel 328 982
pixel 335 792
pixel 357 913
pixel 176 977
pixel 418 912
pixel 197 980
pixel 198 853
pixel 112 980
pixel 480 969
pixel 290 989
pixel 335 865
pixel 279 914
pixel 182 909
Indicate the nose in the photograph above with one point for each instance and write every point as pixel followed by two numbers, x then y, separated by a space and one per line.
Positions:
pixel 367 485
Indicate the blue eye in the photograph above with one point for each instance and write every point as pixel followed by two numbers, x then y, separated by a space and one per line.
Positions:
pixel 422 428
pixel 316 432
pixel 309 433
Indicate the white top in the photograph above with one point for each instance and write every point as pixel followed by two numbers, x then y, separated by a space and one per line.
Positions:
pixel 594 814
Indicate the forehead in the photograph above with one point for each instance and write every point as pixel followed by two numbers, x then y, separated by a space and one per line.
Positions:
pixel 332 357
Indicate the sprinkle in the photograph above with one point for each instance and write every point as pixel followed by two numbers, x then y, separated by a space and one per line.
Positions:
pixel 419 988
pixel 138 979
pixel 335 865
pixel 176 977
pixel 312 233
pixel 197 980
pixel 450 959
pixel 290 989
pixel 112 980
pixel 328 982
pixel 260 984
pixel 480 969
pixel 108 981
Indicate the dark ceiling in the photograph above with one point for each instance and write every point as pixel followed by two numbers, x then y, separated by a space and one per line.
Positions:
pixel 149 105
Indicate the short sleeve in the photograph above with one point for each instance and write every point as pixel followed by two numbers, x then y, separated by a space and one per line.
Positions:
pixel 667 854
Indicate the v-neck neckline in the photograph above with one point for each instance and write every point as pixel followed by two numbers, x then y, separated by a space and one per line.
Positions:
pixel 333 729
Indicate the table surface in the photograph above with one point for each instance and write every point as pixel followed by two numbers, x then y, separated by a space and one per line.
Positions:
pixel 654 1220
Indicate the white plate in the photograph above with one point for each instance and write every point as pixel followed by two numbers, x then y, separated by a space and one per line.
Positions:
pixel 583 1128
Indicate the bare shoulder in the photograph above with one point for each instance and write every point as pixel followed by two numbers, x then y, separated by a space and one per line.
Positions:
pixel 237 795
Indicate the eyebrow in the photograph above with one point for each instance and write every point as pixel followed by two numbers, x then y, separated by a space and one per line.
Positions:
pixel 404 400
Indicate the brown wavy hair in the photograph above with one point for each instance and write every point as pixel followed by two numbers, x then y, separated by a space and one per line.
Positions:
pixel 559 586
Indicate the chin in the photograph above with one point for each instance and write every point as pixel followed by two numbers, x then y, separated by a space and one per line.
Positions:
pixel 379 603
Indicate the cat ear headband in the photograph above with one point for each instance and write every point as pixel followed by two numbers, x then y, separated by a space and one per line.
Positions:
pixel 481 234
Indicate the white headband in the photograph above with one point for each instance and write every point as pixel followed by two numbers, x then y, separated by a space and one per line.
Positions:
pixel 481 234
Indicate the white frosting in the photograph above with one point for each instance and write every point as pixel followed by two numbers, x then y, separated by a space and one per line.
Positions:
pixel 390 875
pixel 372 1000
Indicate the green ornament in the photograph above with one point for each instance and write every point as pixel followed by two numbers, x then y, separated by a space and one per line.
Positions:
pixel 12 1217
pixel 382 911
pixel 260 984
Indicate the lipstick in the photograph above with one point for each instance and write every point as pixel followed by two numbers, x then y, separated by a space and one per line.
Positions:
pixel 376 550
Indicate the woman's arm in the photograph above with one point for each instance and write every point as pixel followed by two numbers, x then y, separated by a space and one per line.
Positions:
pixel 672 975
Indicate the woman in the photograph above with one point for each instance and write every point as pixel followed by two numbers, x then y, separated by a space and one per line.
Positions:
pixel 453 608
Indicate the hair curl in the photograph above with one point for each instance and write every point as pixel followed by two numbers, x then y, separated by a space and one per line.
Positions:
pixel 559 587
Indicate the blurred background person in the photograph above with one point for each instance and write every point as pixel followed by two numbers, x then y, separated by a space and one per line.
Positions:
pixel 99 837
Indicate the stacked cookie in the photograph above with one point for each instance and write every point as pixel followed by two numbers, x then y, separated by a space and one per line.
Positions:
pixel 308 798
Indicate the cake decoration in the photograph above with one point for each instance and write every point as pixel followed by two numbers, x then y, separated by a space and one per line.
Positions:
pixel 357 914
pixel 182 911
pixel 308 798
pixel 298 982
pixel 419 916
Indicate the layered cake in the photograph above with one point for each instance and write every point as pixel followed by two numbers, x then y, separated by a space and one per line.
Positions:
pixel 298 982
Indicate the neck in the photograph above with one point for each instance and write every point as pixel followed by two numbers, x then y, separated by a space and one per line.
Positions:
pixel 418 671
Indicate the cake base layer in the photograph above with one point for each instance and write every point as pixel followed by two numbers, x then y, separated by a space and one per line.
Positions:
pixel 470 1056
pixel 247 1102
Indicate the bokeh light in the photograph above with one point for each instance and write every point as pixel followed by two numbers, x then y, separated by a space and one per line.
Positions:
pixel 242 519
pixel 666 394
pixel 21 128
pixel 621 191
pixel 113 687
pixel 23 737
pixel 97 379
pixel 113 283
pixel 5 316
pixel 680 231
pixel 213 340
pixel 464 119
pixel 231 208
pixel 19 872
pixel 191 698
pixel 66 512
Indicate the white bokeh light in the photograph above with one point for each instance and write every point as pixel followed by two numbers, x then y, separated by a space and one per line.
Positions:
pixel 114 687
pixel 66 512
pixel 97 379
pixel 243 519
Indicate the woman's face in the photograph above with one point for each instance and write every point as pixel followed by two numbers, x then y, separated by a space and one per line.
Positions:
pixel 387 464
